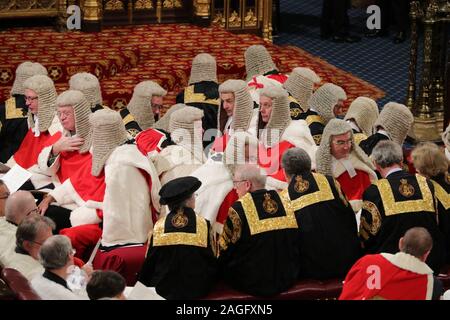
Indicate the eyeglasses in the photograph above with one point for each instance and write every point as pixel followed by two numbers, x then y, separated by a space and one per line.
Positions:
pixel 35 210
pixel 30 98
pixel 65 114
pixel 35 242
pixel 235 182
pixel 5 195
pixel 342 142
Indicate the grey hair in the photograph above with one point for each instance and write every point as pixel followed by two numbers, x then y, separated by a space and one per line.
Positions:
pixel 387 153
pixel 252 173
pixel 17 204
pixel 296 161
pixel 29 228
pixel 55 252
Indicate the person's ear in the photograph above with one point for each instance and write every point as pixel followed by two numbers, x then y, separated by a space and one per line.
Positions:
pixel 400 244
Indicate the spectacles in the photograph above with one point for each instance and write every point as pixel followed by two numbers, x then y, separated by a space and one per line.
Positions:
pixel 235 182
pixel 65 114
pixel 35 210
pixel 30 98
pixel 5 195
pixel 342 142
pixel 35 242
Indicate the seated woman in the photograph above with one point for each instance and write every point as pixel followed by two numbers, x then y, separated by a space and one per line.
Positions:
pixel 430 162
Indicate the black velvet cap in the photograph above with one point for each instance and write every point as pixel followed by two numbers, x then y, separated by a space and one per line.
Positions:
pixel 178 189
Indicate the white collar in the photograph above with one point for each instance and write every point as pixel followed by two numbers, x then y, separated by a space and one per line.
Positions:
pixel 353 125
pixel 346 163
pixel 393 170
pixel 384 132
pixel 36 131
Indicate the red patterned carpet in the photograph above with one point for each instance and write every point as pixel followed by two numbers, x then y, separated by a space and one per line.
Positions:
pixel 123 56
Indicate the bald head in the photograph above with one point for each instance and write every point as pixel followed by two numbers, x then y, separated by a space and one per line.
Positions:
pixel 416 242
pixel 18 206
pixel 252 173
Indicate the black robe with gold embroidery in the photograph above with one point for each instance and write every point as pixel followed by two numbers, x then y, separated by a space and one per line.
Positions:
pixel 295 108
pixel 259 252
pixel 181 261
pixel 13 125
pixel 128 120
pixel 205 96
pixel 442 192
pixel 394 205
pixel 315 123
pixel 327 228
pixel 369 144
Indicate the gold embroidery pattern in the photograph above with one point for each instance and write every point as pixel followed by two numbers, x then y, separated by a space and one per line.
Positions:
pixel 179 220
pixel 213 242
pixel 341 194
pixel 376 218
pixel 133 132
pixel 198 239
pixel 300 184
pixel 323 194
pixel 295 112
pixel 359 137
pixel 128 118
pixel 276 223
pixel 230 236
pixel 317 138
pixel 406 189
pixel 442 195
pixel 314 118
pixel 391 207
pixel 269 205
pixel 191 97
pixel 11 111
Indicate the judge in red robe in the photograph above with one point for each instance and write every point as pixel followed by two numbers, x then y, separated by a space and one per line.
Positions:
pixel 44 128
pixel 400 276
pixel 339 156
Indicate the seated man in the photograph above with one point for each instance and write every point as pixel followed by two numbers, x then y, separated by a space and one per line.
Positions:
pixel 339 156
pixel 106 285
pixel 278 133
pixel 326 223
pixel 19 205
pixel 186 154
pixel 13 111
pixel 56 256
pixel 396 203
pixel 90 86
pixel 361 116
pixel 261 71
pixel 393 123
pixel 30 235
pixel 259 249
pixel 202 90
pixel 44 128
pixel 216 195
pixel 181 259
pixel 235 113
pixel 67 155
pixel 145 94
pixel 400 276
pixel 325 104
pixel 300 86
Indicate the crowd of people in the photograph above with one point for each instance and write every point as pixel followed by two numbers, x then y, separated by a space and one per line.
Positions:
pixel 255 183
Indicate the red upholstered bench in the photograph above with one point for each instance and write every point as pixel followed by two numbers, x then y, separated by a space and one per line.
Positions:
pixel 302 290
pixel 18 284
